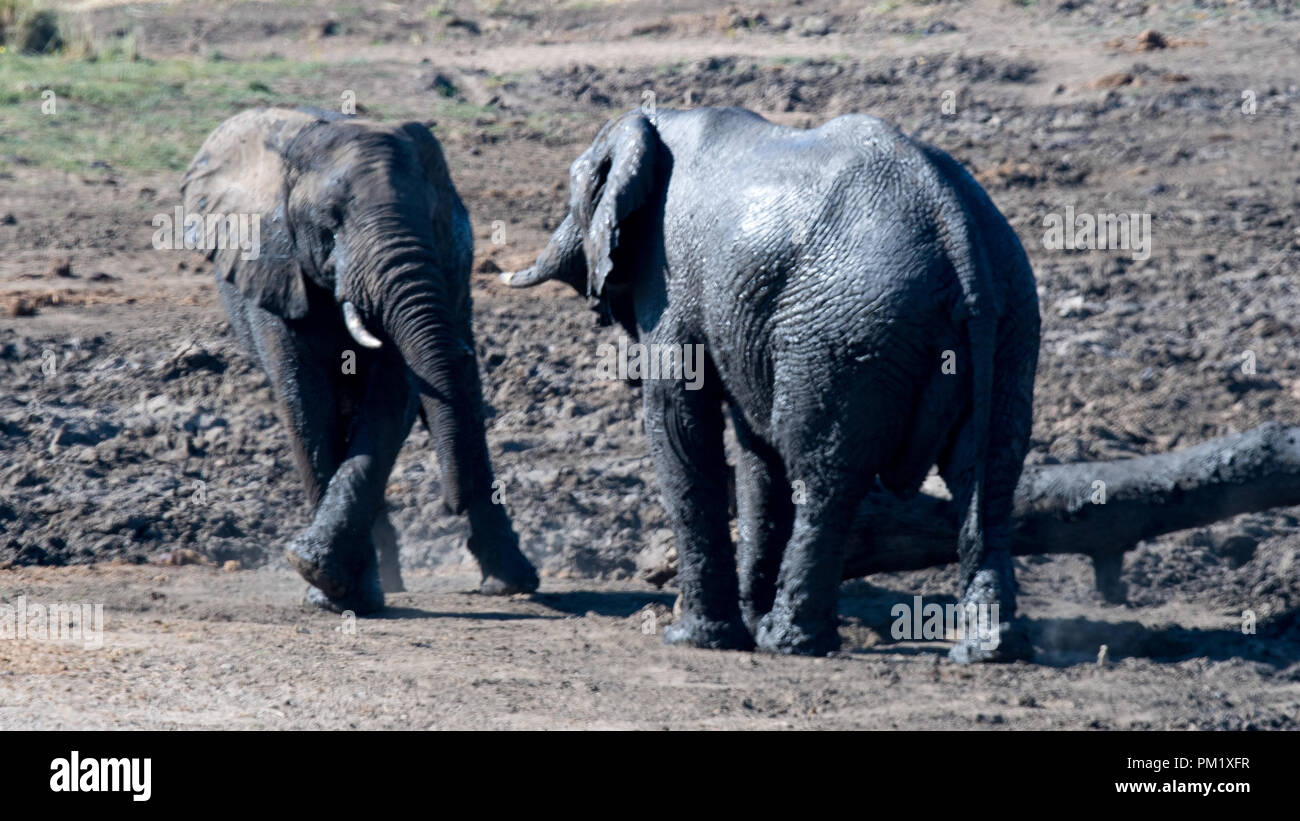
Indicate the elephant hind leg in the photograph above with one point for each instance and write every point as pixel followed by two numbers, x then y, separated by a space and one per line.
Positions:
pixel 834 441
pixel 804 616
pixel 987 492
pixel 765 517
pixel 685 429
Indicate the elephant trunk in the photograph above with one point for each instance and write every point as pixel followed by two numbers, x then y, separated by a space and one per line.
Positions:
pixel 425 311
pixel 441 360
pixel 563 259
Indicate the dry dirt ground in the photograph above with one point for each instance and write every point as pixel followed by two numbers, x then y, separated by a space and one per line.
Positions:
pixel 134 434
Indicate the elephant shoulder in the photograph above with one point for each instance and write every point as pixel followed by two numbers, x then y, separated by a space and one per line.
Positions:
pixel 715 127
pixel 876 140
pixel 861 129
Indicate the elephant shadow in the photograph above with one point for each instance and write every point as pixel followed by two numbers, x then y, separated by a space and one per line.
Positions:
pixel 616 603
pixel 399 613
pixel 1066 642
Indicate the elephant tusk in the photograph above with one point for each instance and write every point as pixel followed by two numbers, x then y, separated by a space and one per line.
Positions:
pixel 358 330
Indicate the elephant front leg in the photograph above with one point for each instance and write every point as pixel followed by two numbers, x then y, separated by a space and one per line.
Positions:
pixel 390 571
pixel 336 553
pixel 685 430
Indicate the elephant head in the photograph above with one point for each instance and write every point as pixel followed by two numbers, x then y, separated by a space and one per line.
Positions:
pixel 360 218
pixel 612 186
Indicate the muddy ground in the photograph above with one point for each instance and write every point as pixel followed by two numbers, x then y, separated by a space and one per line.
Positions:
pixel 134 434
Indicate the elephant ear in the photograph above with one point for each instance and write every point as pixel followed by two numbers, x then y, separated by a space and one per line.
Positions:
pixel 610 181
pixel 242 169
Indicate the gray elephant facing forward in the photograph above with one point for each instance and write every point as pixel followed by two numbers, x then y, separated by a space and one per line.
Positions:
pixel 866 313
pixel 364 252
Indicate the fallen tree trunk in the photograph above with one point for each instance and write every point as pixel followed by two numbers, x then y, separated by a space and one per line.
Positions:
pixel 1099 509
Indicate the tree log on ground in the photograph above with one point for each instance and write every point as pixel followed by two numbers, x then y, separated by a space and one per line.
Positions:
pixel 1098 509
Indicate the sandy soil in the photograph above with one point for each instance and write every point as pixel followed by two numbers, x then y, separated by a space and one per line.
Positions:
pixel 198 648
pixel 151 436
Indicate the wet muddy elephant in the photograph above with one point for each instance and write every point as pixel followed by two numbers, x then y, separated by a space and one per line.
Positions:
pixel 356 303
pixel 865 313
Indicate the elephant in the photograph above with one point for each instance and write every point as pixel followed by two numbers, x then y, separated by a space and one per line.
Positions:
pixel 865 313
pixel 356 304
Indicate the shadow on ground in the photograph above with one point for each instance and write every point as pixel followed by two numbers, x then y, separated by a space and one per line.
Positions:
pixel 417 613
pixel 1067 642
pixel 620 604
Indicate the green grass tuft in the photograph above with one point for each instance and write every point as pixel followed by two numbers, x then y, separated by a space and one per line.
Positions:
pixel 129 112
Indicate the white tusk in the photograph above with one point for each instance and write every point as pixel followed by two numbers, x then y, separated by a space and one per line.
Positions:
pixel 507 276
pixel 358 330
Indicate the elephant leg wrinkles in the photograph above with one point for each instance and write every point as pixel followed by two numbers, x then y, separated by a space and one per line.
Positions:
pixel 765 517
pixel 685 429
pixel 829 482
pixel 336 553
pixel 803 618
pixel 993 582
pixel 345 431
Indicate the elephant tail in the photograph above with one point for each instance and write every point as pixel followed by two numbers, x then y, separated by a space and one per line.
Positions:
pixel 995 284
pixel 978 311
pixel 970 539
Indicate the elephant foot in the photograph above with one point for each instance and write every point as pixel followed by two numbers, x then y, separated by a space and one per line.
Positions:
pixel 317 598
pixel 693 631
pixel 1009 642
pixel 992 633
pixel 508 572
pixel 778 634
pixel 342 586
pixel 505 585
pixel 368 599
